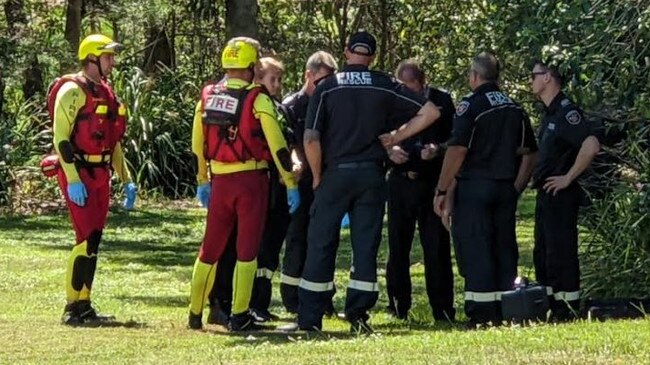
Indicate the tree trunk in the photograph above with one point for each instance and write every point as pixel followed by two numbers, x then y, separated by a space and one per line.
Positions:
pixel 159 51
pixel 73 24
pixel 33 78
pixel 2 95
pixel 15 15
pixel 241 18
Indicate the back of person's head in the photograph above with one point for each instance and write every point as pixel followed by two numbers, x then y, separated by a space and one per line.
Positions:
pixel 412 68
pixel 268 64
pixel 321 60
pixel 486 66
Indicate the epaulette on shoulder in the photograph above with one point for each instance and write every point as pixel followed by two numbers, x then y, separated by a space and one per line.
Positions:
pixel 565 103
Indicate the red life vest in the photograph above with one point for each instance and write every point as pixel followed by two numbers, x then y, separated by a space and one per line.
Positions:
pixel 230 129
pixel 100 124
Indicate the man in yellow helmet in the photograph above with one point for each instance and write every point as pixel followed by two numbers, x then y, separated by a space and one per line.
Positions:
pixel 235 136
pixel 89 123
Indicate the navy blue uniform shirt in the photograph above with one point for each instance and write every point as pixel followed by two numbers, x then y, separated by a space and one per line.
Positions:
pixel 437 133
pixel 561 134
pixel 353 107
pixel 496 132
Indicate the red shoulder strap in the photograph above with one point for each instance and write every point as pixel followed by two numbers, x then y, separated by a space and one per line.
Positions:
pixel 81 81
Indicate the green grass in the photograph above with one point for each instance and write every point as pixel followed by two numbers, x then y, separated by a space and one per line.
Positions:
pixel 143 278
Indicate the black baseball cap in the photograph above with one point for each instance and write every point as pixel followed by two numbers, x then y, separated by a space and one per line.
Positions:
pixel 362 43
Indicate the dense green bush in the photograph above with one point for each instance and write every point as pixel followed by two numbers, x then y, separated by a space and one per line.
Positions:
pixel 158 141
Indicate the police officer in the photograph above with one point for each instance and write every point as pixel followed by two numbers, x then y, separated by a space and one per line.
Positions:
pixel 411 185
pixel 568 144
pixel 347 114
pixel 319 65
pixel 490 133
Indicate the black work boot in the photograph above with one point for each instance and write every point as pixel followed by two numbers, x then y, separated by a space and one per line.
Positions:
pixel 243 322
pixel 90 315
pixel 361 327
pixel 71 315
pixel 218 316
pixel 195 321
pixel 263 315
pixel 330 311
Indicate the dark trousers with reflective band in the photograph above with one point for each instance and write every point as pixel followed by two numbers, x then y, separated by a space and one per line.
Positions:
pixel 295 249
pixel 556 248
pixel 483 228
pixel 411 201
pixel 361 191
pixel 221 293
pixel 275 230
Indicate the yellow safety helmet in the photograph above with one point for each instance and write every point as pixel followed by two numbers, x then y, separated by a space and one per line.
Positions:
pixel 97 44
pixel 238 54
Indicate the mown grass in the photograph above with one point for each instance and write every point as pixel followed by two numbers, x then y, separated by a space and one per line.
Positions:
pixel 143 278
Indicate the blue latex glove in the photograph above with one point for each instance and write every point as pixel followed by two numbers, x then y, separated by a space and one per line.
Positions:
pixel 130 191
pixel 203 194
pixel 293 198
pixel 77 193
pixel 345 222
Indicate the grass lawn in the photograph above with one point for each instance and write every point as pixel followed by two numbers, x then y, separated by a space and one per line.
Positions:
pixel 143 278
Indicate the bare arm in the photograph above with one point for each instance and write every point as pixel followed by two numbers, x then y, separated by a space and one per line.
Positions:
pixel 525 170
pixel 314 154
pixel 454 159
pixel 424 118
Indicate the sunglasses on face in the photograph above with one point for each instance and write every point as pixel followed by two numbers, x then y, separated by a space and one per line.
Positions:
pixel 533 75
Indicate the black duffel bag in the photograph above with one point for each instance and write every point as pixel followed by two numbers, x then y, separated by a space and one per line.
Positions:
pixel 526 302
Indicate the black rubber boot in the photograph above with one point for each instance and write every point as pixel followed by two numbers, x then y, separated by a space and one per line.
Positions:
pixel 194 321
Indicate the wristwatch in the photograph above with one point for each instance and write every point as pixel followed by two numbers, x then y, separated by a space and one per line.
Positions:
pixel 440 192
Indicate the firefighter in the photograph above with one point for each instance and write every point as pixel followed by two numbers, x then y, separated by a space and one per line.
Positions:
pixel 484 162
pixel 89 123
pixel 347 114
pixel 235 136
pixel 319 65
pixel 568 143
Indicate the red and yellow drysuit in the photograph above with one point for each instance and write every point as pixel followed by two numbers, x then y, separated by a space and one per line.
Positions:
pixel 89 123
pixel 237 159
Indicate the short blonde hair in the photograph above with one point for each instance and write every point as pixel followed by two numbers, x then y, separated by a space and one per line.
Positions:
pixel 268 63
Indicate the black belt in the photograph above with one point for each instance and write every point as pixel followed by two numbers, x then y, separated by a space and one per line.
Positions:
pixel 359 165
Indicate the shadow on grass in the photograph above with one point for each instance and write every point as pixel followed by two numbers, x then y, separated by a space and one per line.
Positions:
pixel 113 324
pixel 277 337
pixel 177 301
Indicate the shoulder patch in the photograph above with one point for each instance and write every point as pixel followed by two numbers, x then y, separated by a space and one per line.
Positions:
pixel 462 107
pixel 565 102
pixel 573 117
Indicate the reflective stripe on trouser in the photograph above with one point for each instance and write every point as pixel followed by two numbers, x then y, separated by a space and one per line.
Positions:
pixel 295 249
pixel 486 248
pixel 556 248
pixel 362 193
